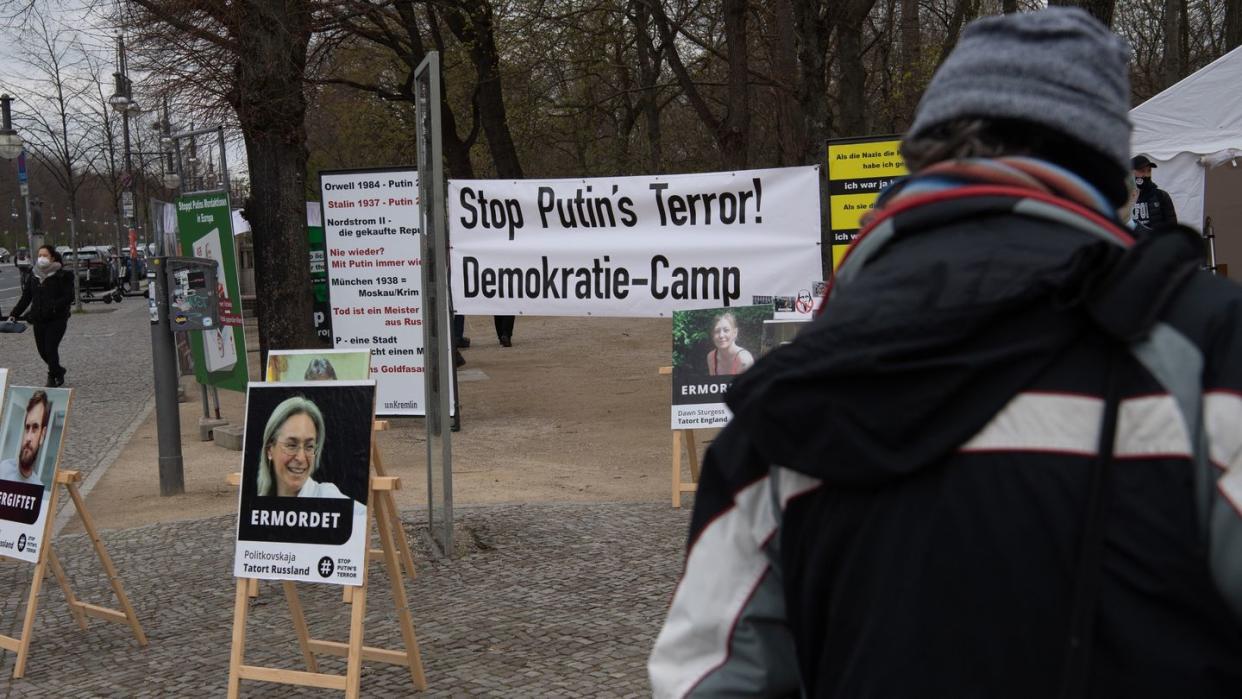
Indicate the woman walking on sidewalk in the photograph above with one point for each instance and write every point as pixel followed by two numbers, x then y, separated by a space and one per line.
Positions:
pixel 48 292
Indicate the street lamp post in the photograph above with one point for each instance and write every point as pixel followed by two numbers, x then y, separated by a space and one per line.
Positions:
pixel 164 358
pixel 122 101
pixel 11 146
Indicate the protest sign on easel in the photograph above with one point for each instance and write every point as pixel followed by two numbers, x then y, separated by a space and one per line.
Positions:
pixel 332 365
pixel 708 353
pixel 31 435
pixel 683 443
pixel 321 535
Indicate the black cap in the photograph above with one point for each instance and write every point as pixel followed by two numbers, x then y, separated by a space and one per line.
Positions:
pixel 1141 161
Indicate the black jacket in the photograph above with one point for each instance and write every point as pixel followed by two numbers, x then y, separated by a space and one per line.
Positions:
pixel 49 299
pixel 1154 206
pixel 897 507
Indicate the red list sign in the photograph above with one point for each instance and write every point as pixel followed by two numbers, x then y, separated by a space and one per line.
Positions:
pixel 370 224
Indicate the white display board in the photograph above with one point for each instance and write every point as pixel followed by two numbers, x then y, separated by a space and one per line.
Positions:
pixel 32 431
pixel 306 464
pixel 633 246
pixel 370 222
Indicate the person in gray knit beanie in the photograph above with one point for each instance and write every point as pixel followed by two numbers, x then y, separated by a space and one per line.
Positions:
pixel 1059 69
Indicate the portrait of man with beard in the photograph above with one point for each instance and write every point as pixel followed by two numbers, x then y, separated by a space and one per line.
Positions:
pixel 23 468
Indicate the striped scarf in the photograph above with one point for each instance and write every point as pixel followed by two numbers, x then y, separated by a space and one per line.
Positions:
pixel 1019 172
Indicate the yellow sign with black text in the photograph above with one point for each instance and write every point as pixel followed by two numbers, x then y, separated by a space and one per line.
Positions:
pixel 858 170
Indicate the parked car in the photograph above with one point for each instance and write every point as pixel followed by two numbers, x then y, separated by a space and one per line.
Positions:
pixel 4 255
pixel 95 270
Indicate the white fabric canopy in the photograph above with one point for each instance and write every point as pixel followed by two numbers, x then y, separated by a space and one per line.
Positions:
pixel 1199 116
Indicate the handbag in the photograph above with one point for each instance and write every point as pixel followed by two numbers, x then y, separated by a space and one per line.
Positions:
pixel 12 326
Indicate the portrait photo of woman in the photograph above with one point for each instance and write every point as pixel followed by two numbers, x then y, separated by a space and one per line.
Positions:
pixel 306 466
pixel 293 443
pixel 728 358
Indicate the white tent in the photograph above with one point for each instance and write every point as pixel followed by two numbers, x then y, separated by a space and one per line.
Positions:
pixel 1191 128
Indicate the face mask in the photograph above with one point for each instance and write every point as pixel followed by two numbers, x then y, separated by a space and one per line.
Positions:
pixel 43 261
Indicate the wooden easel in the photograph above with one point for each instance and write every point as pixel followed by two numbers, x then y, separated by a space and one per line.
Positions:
pixel 390 507
pixel 79 609
pixel 683 441
pixel 382 507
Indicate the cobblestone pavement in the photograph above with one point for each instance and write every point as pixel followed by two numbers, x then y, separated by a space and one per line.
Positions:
pixel 107 351
pixel 543 601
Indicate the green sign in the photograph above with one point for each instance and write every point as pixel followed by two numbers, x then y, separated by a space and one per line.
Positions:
pixel 205 226
pixel 319 273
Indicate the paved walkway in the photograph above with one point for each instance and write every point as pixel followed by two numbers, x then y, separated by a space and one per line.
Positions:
pixel 549 600
pixel 107 351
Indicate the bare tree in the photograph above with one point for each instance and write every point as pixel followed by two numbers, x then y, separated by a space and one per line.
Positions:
pixel 253 53
pixel 730 130
pixel 1233 24
pixel 1100 9
pixel 57 123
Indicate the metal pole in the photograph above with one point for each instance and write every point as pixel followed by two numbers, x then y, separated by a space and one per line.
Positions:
pixel 167 415
pixel 164 360
pixel 1209 234
pixel 129 168
pixel 30 235
pixel 228 197
pixel 206 402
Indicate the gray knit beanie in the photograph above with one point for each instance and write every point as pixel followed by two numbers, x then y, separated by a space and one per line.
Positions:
pixel 1059 67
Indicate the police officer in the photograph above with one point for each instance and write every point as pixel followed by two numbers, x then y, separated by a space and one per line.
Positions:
pixel 1154 207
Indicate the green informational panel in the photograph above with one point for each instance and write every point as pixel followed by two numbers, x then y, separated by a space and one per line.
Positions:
pixel 205 225
pixel 319 273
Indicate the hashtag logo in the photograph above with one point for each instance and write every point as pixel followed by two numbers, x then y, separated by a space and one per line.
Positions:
pixel 326 567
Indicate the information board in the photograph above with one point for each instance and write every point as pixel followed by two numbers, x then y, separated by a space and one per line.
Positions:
pixel 370 225
pixel 302 509
pixel 858 170
pixel 205 227
pixel 319 272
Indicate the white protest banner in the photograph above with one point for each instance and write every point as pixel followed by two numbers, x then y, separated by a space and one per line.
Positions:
pixel 370 223
pixel 632 246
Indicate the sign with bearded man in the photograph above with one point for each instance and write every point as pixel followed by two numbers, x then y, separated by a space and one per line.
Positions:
pixel 31 432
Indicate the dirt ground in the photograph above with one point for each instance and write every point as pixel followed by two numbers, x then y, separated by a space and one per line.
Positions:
pixel 575 411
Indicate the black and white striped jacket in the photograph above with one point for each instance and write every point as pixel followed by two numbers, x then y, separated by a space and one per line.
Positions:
pixel 897 506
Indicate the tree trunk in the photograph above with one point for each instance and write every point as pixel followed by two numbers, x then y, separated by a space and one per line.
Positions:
pixel 648 78
pixel 813 29
pixel 272 41
pixel 472 24
pixel 963 12
pixel 1100 9
pixel 1233 24
pixel 734 133
pixel 1171 66
pixel 789 120
pixel 911 60
pixel 852 76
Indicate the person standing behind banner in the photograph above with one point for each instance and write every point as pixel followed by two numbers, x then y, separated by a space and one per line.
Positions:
pixel 729 358
pixel 1154 207
pixel 48 293
pixel 504 330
